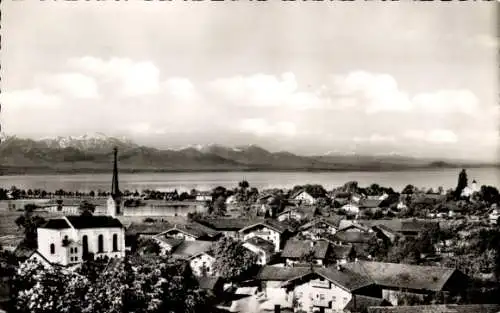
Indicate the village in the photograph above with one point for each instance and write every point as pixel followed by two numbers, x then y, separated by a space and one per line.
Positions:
pixel 351 249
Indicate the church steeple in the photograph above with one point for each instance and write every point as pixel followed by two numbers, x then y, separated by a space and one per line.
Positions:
pixel 115 190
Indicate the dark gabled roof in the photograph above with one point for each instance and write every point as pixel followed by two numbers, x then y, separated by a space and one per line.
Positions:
pixel 82 222
pixel 208 283
pixel 341 251
pixel 172 242
pixel 231 224
pixel 272 224
pixel 349 280
pixel 276 273
pixel 361 303
pixel 148 228
pixel 194 229
pixel 56 223
pixel 396 275
pixel 370 203
pixel 438 308
pixel 296 249
pixel 354 237
pixel 262 244
pixel 188 249
pixel 402 225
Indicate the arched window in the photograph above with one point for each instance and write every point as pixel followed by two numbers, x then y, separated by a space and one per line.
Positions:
pixel 100 244
pixel 85 245
pixel 115 242
pixel 52 248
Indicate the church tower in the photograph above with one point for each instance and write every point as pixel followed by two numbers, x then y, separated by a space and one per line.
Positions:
pixel 114 200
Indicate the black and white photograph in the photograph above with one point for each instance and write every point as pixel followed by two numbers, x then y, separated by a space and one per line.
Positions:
pixel 249 156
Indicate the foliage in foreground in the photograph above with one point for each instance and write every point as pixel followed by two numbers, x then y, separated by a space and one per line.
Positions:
pixel 137 285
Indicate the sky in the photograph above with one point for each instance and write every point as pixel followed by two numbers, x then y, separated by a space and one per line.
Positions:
pixel 409 78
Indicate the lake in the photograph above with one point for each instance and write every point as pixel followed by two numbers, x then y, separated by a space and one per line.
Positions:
pixel 207 180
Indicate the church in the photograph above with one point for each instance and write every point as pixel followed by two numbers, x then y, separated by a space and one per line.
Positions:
pixel 68 240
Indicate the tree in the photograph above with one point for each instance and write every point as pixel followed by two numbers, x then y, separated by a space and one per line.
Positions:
pixel 233 261
pixel 30 223
pixel 409 189
pixel 462 183
pixel 243 184
pixel 86 208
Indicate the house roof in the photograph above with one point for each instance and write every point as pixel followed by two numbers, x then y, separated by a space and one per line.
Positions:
pixel 231 224
pixel 396 275
pixel 272 224
pixel 148 228
pixel 361 303
pixel 83 222
pixel 275 273
pixel 354 237
pixel 397 225
pixel 296 249
pixel 194 229
pixel 188 249
pixel 263 244
pixel 330 221
pixel 208 282
pixel 345 226
pixel 370 203
pixel 172 242
pixel 341 251
pixel 438 308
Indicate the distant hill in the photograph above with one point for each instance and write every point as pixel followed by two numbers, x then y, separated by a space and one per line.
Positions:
pixel 94 154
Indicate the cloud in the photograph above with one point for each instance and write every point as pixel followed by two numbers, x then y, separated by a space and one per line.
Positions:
pixel 374 92
pixel 432 136
pixel 262 127
pixel 445 101
pixel 29 99
pixel 262 90
pixel 75 85
pixel 181 88
pixel 134 78
pixel 375 138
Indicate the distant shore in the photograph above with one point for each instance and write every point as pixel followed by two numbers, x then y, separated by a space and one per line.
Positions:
pixel 5 171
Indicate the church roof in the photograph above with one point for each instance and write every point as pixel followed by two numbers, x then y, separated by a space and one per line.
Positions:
pixel 82 222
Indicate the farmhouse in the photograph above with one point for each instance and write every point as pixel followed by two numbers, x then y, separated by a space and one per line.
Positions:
pixel 268 230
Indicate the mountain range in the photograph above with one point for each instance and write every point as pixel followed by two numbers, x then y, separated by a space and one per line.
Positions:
pixel 91 154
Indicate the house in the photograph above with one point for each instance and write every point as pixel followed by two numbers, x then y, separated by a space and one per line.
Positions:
pixel 396 279
pixel 303 197
pixel 298 252
pixel 342 254
pixel 147 230
pixel 468 191
pixel 352 226
pixel 406 227
pixel 371 204
pixel 351 209
pixel 262 248
pixel 167 244
pixel 198 254
pixel 70 206
pixel 360 241
pixel 318 226
pixel 229 227
pixel 191 231
pixel 270 230
pixel 211 284
pixel 494 215
pixel 312 289
pixel 438 308
pixel 204 196
pixel 67 240
pixel 231 200
pixel 361 304
pixel 298 214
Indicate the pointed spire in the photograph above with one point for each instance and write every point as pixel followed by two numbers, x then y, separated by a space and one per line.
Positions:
pixel 115 190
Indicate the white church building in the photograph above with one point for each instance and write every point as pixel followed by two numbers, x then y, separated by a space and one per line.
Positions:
pixel 66 240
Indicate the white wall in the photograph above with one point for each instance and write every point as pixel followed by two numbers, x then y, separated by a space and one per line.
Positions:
pixel 263 257
pixel 308 294
pixel 305 198
pixel 264 233
pixel 201 260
